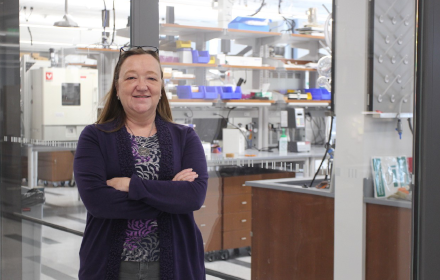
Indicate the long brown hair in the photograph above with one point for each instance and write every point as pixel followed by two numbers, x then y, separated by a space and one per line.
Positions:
pixel 113 109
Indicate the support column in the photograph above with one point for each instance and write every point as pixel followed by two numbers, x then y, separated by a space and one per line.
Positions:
pixel 144 23
pixel 426 151
pixel 351 164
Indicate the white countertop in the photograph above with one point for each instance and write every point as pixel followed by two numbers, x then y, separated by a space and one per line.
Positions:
pixel 280 184
pixel 268 156
pixel 389 202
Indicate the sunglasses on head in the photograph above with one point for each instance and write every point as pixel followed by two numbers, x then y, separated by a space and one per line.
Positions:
pixel 145 48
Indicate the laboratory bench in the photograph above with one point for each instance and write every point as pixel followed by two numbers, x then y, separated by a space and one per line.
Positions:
pixel 388 236
pixel 225 218
pixel 293 232
pixel 272 160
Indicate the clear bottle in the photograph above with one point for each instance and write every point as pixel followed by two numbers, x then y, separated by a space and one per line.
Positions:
pixel 283 143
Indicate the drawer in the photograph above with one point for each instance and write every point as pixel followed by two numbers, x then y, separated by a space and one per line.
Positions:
pixel 214 187
pixel 211 206
pixel 236 239
pixel 278 175
pixel 237 203
pixel 208 224
pixel 237 221
pixel 234 185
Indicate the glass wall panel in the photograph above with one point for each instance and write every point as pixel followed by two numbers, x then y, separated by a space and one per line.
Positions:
pixel 67 56
pixel 374 85
pixel 304 110
pixel 10 152
pixel 227 70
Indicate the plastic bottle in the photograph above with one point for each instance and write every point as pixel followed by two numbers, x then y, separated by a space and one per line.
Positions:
pixel 283 143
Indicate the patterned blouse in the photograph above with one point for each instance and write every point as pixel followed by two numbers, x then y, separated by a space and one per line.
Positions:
pixel 142 240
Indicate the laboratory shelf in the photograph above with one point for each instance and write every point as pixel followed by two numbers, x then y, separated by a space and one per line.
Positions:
pixel 224 66
pixel 213 32
pixel 244 103
pixel 295 69
pixel 236 34
pixel 291 39
pixel 231 34
pixel 246 67
pixel 171 29
pixel 379 115
pixel 83 65
pixel 181 78
pixel 281 65
pixel 306 37
pixel 247 102
pixel 191 102
pixel 307 103
pixel 98 50
pixel 186 65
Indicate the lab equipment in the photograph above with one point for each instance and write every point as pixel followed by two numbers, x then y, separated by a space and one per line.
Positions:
pixel 250 23
pixel 64 101
pixel 297 127
pixel 233 141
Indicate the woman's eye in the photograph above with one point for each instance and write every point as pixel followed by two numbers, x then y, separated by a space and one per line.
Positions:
pixel 152 79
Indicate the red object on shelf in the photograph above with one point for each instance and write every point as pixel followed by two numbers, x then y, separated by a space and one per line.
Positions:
pixel 410 164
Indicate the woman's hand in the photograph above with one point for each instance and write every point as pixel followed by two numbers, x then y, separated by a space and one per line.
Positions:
pixel 186 175
pixel 119 183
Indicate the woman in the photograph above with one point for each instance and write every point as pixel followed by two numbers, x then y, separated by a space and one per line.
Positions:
pixel 140 177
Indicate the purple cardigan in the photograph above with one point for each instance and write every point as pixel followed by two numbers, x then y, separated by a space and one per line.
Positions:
pixel 101 156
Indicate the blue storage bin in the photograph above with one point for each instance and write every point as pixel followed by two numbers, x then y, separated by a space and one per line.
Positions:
pixel 237 93
pixel 200 56
pixel 184 92
pixel 209 92
pixel 325 94
pixel 226 92
pixel 243 23
pixel 315 92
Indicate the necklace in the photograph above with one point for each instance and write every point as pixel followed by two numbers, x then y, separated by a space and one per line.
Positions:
pixel 142 150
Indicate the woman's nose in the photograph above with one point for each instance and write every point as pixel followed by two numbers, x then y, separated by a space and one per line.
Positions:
pixel 143 85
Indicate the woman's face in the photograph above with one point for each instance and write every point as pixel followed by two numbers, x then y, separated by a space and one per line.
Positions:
pixel 139 85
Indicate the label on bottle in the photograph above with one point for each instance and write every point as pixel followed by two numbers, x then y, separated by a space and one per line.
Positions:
pixel 283 146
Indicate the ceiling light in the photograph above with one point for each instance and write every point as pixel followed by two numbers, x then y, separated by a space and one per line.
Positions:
pixel 67 19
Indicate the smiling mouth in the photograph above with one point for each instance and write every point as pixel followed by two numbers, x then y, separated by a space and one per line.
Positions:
pixel 141 96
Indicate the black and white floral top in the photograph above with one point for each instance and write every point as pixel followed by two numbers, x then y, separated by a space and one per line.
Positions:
pixel 142 240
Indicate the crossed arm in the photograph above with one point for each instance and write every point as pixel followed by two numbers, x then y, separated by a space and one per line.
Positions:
pixel 134 198
pixel 123 183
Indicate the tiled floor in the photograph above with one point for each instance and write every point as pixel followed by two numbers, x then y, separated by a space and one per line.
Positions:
pixel 59 250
